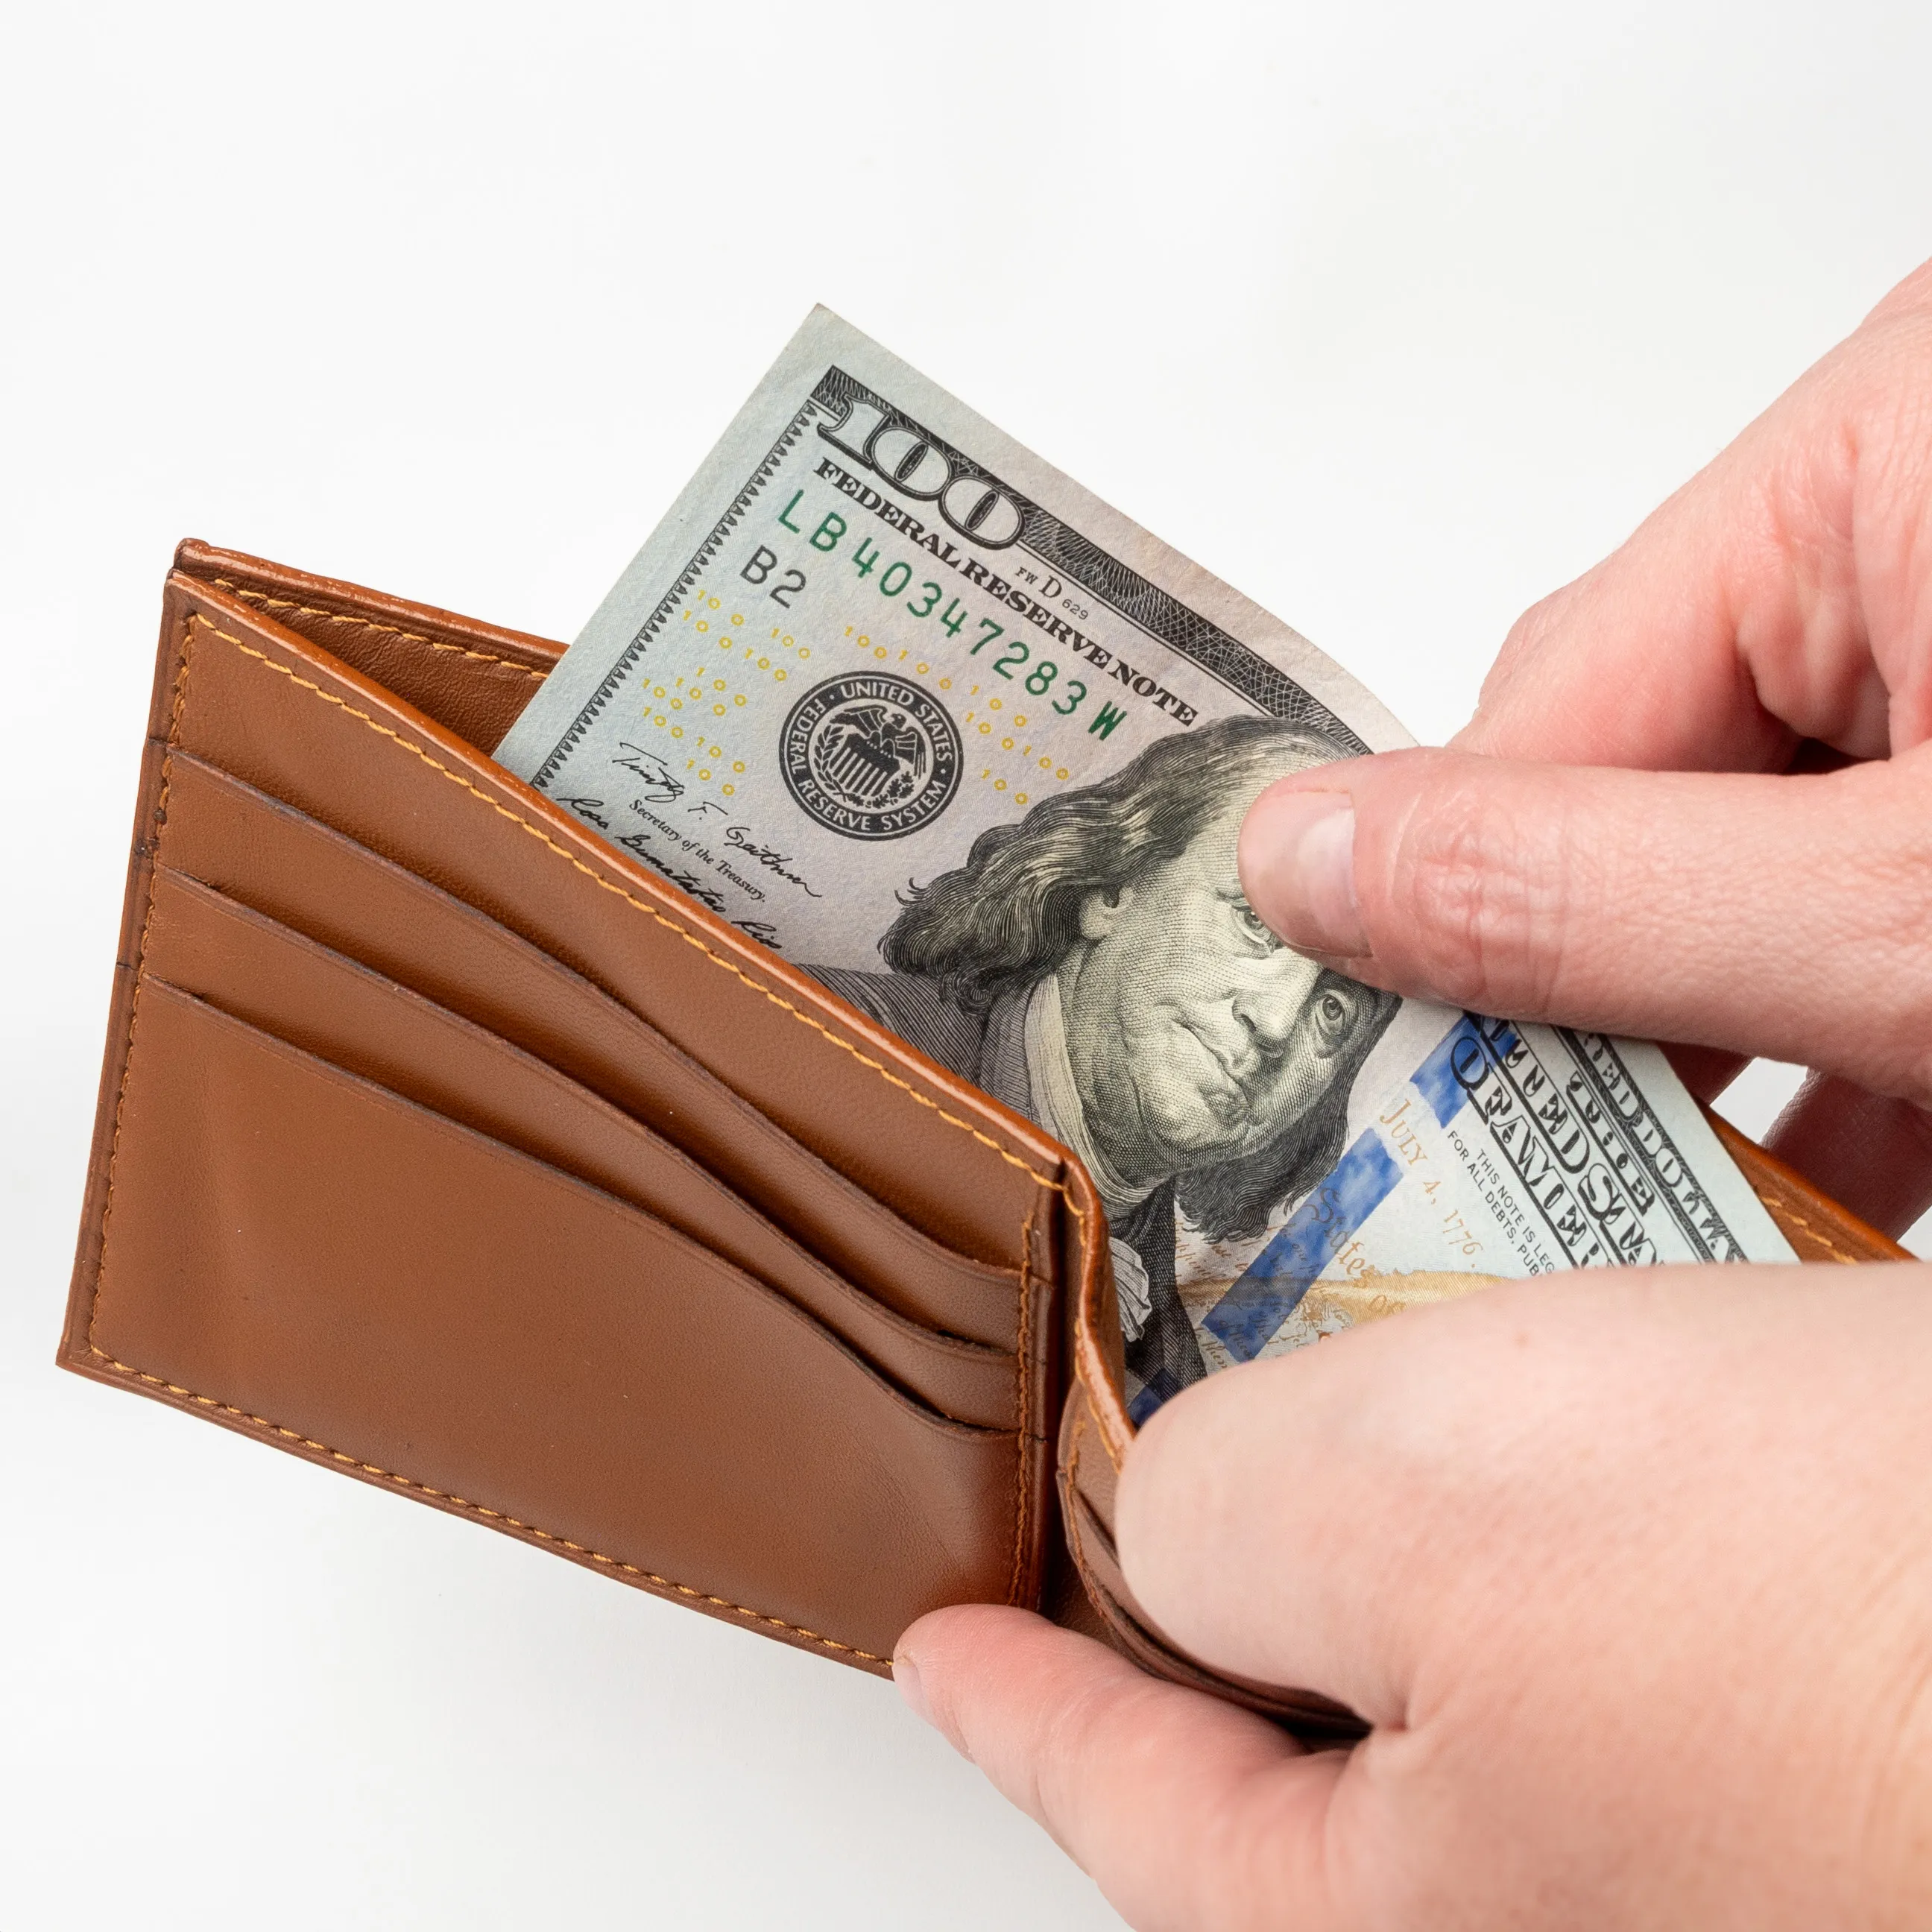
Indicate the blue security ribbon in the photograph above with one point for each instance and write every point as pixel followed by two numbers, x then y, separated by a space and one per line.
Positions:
pixel 1248 1316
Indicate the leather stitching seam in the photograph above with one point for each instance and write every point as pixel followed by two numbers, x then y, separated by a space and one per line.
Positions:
pixel 1084 1342
pixel 295 1435
pixel 268 603
pixel 1791 1214
pixel 1023 1457
pixel 1080 1562
pixel 483 1509
pixel 643 906
pixel 140 962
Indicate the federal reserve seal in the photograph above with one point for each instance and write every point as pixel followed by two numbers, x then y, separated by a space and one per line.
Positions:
pixel 871 757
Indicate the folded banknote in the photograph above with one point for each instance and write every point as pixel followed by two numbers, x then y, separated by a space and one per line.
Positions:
pixel 909 707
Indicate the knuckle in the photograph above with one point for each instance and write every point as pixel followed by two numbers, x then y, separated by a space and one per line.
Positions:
pixel 1528 634
pixel 1475 913
pixel 1861 458
pixel 1534 636
pixel 1488 888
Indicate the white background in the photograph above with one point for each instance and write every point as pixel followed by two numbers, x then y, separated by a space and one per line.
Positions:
pixel 1396 317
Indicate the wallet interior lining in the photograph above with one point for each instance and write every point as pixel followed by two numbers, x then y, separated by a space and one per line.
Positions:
pixel 422 1262
pixel 312 879
pixel 263 974
pixel 970 1531
pixel 695 1253
pixel 475 686
pixel 529 864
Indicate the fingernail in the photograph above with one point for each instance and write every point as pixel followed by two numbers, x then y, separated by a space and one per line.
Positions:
pixel 905 1674
pixel 1297 865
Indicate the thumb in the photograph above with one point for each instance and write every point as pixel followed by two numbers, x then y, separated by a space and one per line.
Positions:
pixel 1785 915
pixel 1186 1811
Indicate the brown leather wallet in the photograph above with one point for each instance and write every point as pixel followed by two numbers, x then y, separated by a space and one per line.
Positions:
pixel 444 1144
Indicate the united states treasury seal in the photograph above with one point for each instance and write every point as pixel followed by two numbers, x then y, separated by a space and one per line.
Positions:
pixel 870 756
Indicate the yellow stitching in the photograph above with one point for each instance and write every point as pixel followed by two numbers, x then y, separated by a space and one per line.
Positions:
pixel 480 1509
pixel 1023 1485
pixel 423 1489
pixel 1836 1254
pixel 1782 1201
pixel 642 905
pixel 140 956
pixel 1080 1562
pixel 262 1422
pixel 262 598
pixel 1083 1339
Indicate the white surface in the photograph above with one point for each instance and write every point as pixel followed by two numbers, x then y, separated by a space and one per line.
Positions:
pixel 1395 317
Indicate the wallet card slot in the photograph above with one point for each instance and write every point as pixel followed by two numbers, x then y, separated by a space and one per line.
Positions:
pixel 472 678
pixel 336 1267
pixel 254 969
pixel 272 707
pixel 272 856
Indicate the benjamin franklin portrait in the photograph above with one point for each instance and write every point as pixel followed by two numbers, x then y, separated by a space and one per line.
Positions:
pixel 1097 968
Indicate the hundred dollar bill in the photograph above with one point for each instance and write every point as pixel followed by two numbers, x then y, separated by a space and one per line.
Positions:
pixel 909 707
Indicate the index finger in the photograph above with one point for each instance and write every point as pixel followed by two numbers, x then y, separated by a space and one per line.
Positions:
pixel 1774 598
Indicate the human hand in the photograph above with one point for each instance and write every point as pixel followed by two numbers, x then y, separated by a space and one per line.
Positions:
pixel 1629 1580
pixel 1632 1573
pixel 1619 840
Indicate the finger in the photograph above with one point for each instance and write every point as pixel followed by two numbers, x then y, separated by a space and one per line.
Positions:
pixel 1422 1512
pixel 1297 1577
pixel 1783 916
pixel 1870 1152
pixel 1172 1802
pixel 1776 598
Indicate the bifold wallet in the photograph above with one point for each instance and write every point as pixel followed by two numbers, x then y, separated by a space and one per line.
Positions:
pixel 445 1145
